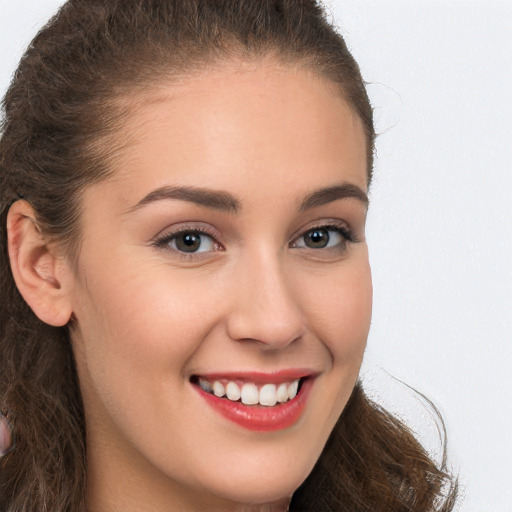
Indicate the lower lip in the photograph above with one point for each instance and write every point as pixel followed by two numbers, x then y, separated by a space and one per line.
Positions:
pixel 260 417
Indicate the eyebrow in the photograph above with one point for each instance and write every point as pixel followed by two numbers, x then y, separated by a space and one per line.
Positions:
pixel 330 194
pixel 224 201
pixel 215 199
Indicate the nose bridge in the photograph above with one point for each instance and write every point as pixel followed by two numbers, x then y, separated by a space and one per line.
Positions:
pixel 265 306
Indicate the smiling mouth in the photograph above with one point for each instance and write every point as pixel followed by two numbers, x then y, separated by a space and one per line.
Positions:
pixel 257 401
pixel 251 393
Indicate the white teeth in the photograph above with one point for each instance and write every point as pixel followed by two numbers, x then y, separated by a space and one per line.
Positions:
pixel 232 391
pixel 292 389
pixel 218 389
pixel 268 395
pixel 249 394
pixel 282 392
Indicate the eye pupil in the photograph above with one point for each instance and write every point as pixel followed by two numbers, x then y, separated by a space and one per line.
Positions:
pixel 188 242
pixel 317 238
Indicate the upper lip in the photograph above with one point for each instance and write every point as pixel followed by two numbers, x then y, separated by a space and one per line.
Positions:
pixel 275 377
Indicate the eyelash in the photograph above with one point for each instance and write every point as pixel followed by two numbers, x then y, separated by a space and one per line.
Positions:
pixel 342 230
pixel 163 241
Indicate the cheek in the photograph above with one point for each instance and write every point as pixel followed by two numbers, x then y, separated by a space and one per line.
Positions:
pixel 340 311
pixel 147 315
pixel 338 306
pixel 135 337
pixel 343 326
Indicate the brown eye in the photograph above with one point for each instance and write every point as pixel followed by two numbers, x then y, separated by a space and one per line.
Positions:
pixel 188 242
pixel 317 238
pixel 324 237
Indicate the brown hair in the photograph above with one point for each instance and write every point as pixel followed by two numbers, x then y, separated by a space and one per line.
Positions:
pixel 58 110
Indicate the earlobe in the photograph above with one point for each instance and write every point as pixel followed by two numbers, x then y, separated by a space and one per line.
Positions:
pixel 41 274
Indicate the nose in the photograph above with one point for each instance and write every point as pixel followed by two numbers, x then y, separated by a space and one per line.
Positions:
pixel 266 308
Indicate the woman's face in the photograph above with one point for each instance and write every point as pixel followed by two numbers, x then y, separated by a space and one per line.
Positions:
pixel 228 252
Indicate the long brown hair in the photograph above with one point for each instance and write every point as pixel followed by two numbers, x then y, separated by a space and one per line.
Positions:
pixel 59 113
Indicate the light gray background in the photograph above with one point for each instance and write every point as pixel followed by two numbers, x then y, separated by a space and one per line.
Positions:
pixel 440 75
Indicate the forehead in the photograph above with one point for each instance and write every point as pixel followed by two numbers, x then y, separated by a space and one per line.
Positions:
pixel 241 124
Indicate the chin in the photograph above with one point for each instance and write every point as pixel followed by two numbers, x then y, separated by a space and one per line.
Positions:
pixel 262 487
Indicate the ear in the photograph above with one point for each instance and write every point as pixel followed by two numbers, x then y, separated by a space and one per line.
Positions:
pixel 42 275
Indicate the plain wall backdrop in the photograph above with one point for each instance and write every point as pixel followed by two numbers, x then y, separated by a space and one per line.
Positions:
pixel 440 222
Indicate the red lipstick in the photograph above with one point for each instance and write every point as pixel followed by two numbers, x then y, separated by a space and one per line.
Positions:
pixel 260 417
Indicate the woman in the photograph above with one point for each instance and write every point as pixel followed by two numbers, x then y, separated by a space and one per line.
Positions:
pixel 187 291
